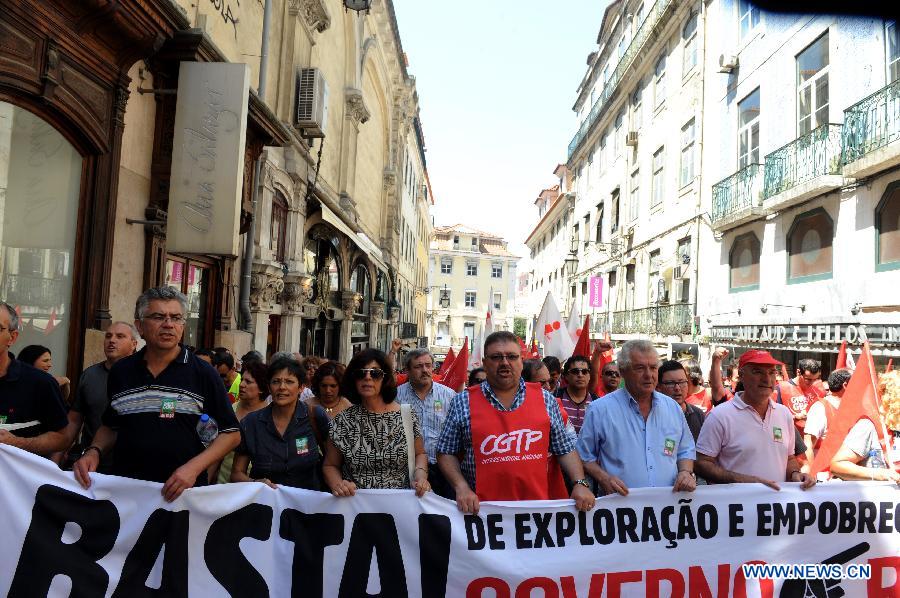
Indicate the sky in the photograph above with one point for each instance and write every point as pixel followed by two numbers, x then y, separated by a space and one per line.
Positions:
pixel 496 83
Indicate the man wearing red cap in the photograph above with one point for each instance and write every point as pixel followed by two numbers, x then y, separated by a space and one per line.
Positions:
pixel 751 438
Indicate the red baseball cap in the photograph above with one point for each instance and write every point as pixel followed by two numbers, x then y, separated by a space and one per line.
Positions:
pixel 757 356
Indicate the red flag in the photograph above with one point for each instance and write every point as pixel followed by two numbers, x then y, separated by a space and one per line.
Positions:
pixel 889 365
pixel 605 357
pixel 455 377
pixel 534 350
pixel 784 374
pixel 842 356
pixel 860 400
pixel 583 346
pixel 522 348
pixel 446 363
pixel 51 323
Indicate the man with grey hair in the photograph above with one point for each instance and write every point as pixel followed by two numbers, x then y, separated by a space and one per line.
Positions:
pixel 156 399
pixel 32 412
pixel 429 399
pixel 636 437
pixel 120 340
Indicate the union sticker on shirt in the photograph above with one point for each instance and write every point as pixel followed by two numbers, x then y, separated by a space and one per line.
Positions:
pixel 167 408
pixel 669 447
pixel 777 434
pixel 302 445
pixel 438 406
pixel 2 420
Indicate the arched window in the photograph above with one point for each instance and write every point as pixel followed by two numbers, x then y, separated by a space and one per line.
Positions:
pixel 809 245
pixel 689 36
pixel 321 259
pixel 743 263
pixel 278 227
pixel 887 227
pixel 359 282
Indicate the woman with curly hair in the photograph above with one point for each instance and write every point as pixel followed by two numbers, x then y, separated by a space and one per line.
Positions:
pixel 861 456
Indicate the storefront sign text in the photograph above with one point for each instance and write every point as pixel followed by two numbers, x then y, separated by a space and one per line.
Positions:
pixel 809 334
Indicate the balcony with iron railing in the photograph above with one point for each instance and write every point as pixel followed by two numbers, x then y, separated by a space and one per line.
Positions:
pixel 658 15
pixel 738 198
pixel 671 319
pixel 807 166
pixel 33 291
pixel 871 128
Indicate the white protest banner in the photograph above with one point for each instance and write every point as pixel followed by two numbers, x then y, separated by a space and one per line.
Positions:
pixel 121 539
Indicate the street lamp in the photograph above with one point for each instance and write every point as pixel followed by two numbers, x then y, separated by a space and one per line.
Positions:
pixel 445 298
pixel 358 5
pixel 572 259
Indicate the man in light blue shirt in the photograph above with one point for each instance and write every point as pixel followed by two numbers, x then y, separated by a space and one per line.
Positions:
pixel 636 437
pixel 430 401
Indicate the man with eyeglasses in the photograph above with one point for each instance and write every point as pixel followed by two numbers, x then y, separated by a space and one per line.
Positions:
pixel 751 438
pixel 636 437
pixel 429 400
pixel 674 383
pixel 506 430
pixel 156 399
pixel 32 412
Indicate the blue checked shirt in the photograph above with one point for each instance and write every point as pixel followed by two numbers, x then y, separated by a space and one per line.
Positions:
pixel 456 437
pixel 431 412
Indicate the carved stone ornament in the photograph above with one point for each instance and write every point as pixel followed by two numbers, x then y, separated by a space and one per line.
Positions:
pixel 390 180
pixel 314 13
pixel 350 301
pixel 264 290
pixel 395 315
pixel 348 205
pixel 291 297
pixel 356 108
pixel 377 310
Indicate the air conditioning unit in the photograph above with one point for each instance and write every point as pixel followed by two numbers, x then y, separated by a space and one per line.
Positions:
pixel 312 103
pixel 727 63
pixel 631 139
pixel 677 272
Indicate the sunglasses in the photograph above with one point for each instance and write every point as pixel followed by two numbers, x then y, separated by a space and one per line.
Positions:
pixel 616 374
pixel 577 371
pixel 374 373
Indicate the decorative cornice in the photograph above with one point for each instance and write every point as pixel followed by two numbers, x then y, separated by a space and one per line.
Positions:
pixel 355 106
pixel 314 12
pixel 350 302
pixel 264 290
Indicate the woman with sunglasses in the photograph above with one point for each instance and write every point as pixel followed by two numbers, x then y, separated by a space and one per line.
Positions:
pixel 368 445
pixel 280 443
pixel 326 387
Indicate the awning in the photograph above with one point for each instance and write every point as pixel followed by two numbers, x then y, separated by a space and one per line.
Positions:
pixel 360 239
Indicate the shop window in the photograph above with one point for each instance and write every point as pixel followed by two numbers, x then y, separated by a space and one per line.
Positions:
pixel 887 226
pixel 278 227
pixel 40 181
pixel 193 278
pixel 810 247
pixel 743 263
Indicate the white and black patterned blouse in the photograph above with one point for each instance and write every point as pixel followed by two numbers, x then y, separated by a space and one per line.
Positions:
pixel 373 446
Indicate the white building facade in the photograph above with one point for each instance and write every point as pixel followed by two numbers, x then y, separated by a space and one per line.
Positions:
pixel 803 121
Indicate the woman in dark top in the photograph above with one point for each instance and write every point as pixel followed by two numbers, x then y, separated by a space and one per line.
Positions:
pixel 281 442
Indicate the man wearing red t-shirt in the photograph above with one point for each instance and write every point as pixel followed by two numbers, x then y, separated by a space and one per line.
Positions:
pixel 799 394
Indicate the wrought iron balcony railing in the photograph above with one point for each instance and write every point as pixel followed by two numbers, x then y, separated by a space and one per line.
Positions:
pixel 871 123
pixel 818 153
pixel 652 19
pixel 409 330
pixel 35 291
pixel 664 319
pixel 737 193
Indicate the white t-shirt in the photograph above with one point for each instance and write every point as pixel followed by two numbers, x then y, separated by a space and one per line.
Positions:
pixel 816 422
pixel 862 439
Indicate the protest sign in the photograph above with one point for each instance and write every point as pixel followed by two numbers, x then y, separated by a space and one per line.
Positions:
pixel 121 539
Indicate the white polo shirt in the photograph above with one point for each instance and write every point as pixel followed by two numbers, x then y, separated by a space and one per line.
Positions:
pixel 742 442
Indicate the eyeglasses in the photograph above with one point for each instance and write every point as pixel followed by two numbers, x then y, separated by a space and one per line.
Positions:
pixel 579 371
pixel 499 357
pixel 283 382
pixel 613 373
pixel 375 373
pixel 672 384
pixel 156 318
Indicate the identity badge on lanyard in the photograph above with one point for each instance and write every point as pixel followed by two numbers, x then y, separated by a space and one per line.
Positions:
pixel 167 408
pixel 777 434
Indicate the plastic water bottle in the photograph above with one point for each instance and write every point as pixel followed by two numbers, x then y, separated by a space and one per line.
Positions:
pixel 207 429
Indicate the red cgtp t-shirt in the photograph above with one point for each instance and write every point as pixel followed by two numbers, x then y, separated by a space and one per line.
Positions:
pixel 702 399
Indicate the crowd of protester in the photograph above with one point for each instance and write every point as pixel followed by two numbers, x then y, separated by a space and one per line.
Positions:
pixel 518 429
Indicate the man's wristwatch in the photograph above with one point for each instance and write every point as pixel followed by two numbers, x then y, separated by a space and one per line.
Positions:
pixel 92 448
pixel 693 475
pixel 584 483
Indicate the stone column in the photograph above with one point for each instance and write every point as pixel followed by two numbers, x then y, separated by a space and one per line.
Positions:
pixel 297 291
pixel 376 319
pixel 350 301
pixel 265 286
